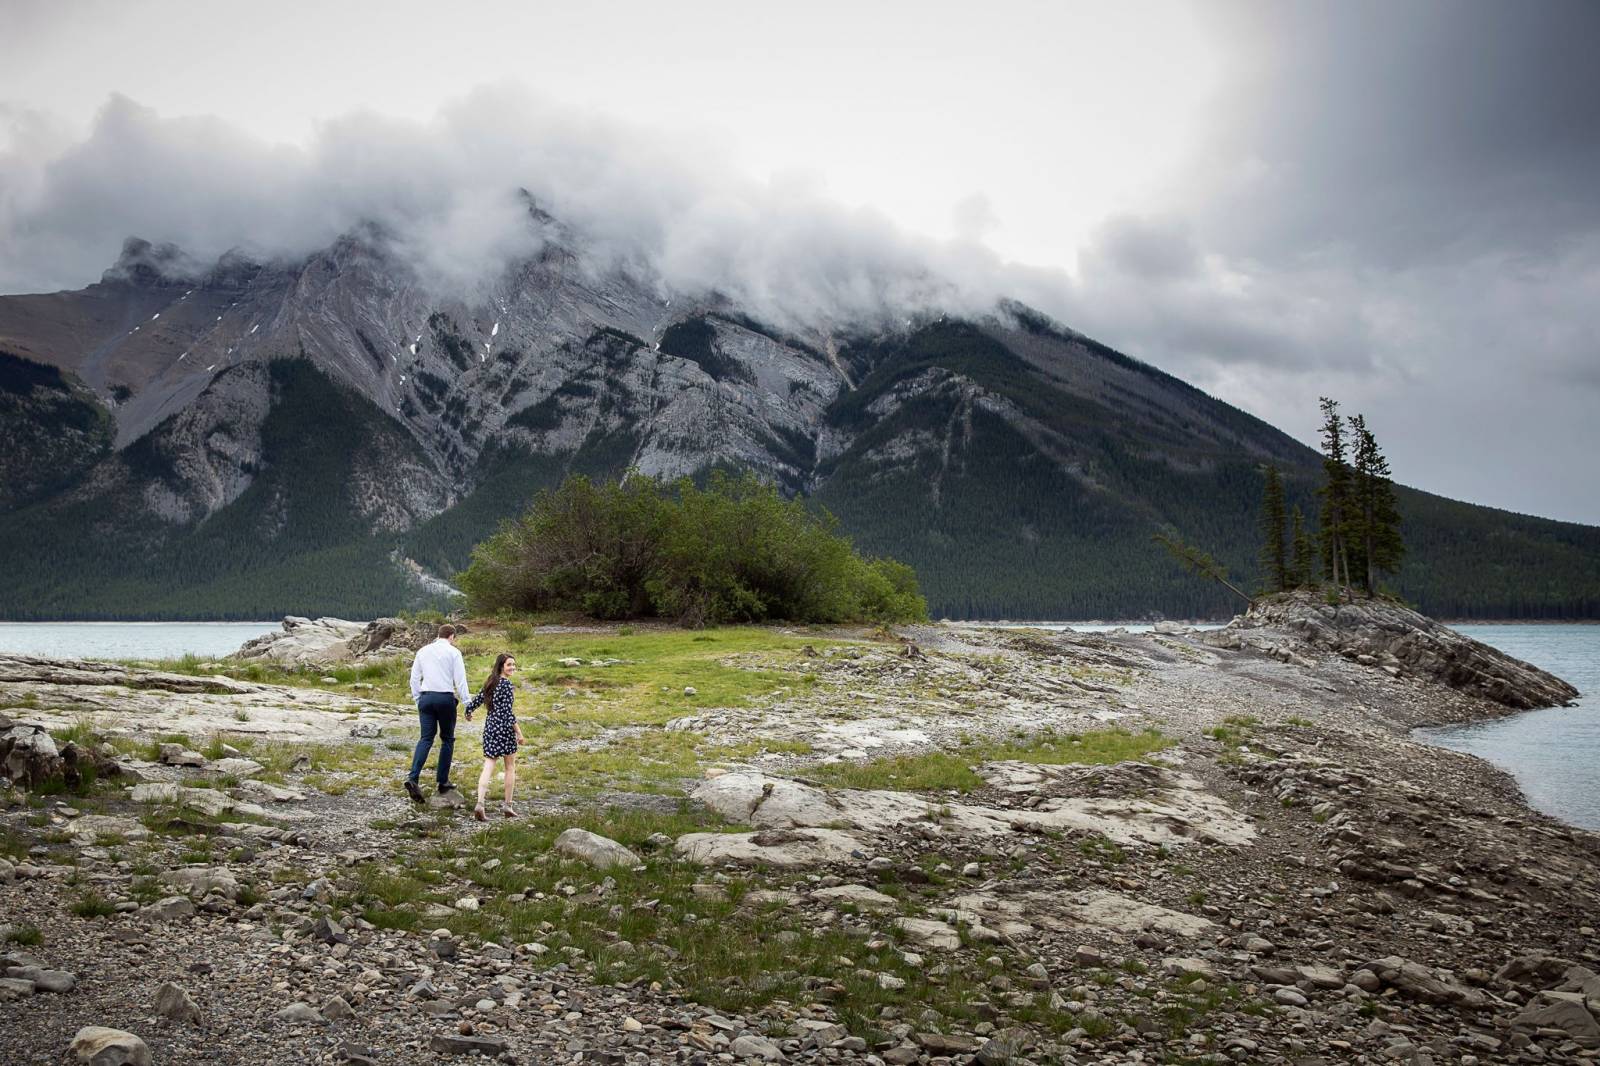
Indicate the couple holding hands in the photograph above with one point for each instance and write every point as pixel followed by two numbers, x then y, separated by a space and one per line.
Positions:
pixel 438 678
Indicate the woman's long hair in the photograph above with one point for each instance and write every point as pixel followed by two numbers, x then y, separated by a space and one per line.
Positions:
pixel 494 675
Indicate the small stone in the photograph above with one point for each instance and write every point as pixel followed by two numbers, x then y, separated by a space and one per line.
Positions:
pixel 171 908
pixel 337 1009
pixel 467 903
pixel 972 869
pixel 489 1046
pixel 755 1047
pixel 689 690
pixel 1290 997
pixel 299 1013
pixel 447 801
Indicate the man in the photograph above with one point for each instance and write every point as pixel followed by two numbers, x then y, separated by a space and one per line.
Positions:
pixel 438 677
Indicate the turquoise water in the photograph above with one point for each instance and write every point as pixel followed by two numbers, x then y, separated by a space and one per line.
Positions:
pixel 128 640
pixel 1554 753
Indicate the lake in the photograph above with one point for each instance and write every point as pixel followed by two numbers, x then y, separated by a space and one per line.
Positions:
pixel 1553 753
pixel 128 640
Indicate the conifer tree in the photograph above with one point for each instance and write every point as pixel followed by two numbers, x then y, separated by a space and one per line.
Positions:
pixel 1199 562
pixel 1376 515
pixel 1274 559
pixel 1301 568
pixel 1336 496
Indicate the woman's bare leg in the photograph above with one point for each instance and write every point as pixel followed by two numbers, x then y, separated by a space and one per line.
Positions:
pixel 485 779
pixel 511 778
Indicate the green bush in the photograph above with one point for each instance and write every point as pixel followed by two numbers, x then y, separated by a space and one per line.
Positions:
pixel 734 551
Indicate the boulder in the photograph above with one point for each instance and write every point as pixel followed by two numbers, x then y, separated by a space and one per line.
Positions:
pixel 1565 1011
pixel 174 1003
pixel 598 851
pixel 391 636
pixel 303 640
pixel 202 881
pixel 99 1046
pixel 1425 982
pixel 28 754
pixel 929 933
pixel 171 908
pixel 54 981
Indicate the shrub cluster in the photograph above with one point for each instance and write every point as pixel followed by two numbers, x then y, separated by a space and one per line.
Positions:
pixel 734 551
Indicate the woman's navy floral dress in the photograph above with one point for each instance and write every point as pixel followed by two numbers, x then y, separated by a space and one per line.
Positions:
pixel 500 727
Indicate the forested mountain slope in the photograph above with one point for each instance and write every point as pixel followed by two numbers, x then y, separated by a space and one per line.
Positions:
pixel 322 436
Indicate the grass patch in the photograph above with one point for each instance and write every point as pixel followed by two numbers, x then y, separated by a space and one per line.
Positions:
pixel 13 845
pixel 26 934
pixel 645 686
pixel 715 947
pixel 953 770
pixel 91 905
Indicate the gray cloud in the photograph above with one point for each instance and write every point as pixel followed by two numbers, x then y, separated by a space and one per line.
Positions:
pixel 1391 203
pixel 447 192
pixel 1395 204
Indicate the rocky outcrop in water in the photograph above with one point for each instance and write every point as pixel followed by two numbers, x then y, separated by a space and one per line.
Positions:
pixel 1396 639
pixel 328 640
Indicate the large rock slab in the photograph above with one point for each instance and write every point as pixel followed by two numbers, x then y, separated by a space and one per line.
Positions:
pixel 303 641
pixel 1017 915
pixel 1383 634
pixel 129 700
pixel 787 849
pixel 1176 810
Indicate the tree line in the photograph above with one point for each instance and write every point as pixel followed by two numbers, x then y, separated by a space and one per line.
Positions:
pixel 1357 540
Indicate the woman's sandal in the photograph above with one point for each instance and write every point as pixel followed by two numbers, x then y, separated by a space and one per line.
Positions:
pixel 477 812
pixel 508 810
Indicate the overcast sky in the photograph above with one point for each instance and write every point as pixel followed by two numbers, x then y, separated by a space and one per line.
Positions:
pixel 1393 203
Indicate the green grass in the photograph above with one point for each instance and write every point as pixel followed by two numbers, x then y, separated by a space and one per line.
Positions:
pixel 649 924
pixel 645 688
pixel 953 770
pixel 26 935
pixel 13 845
pixel 1102 849
pixel 91 905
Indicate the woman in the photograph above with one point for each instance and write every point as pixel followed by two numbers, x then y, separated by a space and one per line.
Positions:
pixel 501 733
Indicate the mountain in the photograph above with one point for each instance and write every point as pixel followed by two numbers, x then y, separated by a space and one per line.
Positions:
pixel 327 435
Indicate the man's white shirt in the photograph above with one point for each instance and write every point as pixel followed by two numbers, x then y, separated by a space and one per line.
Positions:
pixel 439 667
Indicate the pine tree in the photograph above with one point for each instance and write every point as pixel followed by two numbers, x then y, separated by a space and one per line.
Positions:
pixel 1336 496
pixel 1274 561
pixel 1199 562
pixel 1301 569
pixel 1377 516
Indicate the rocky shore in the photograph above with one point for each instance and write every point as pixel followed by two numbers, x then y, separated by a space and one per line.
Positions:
pixel 923 849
